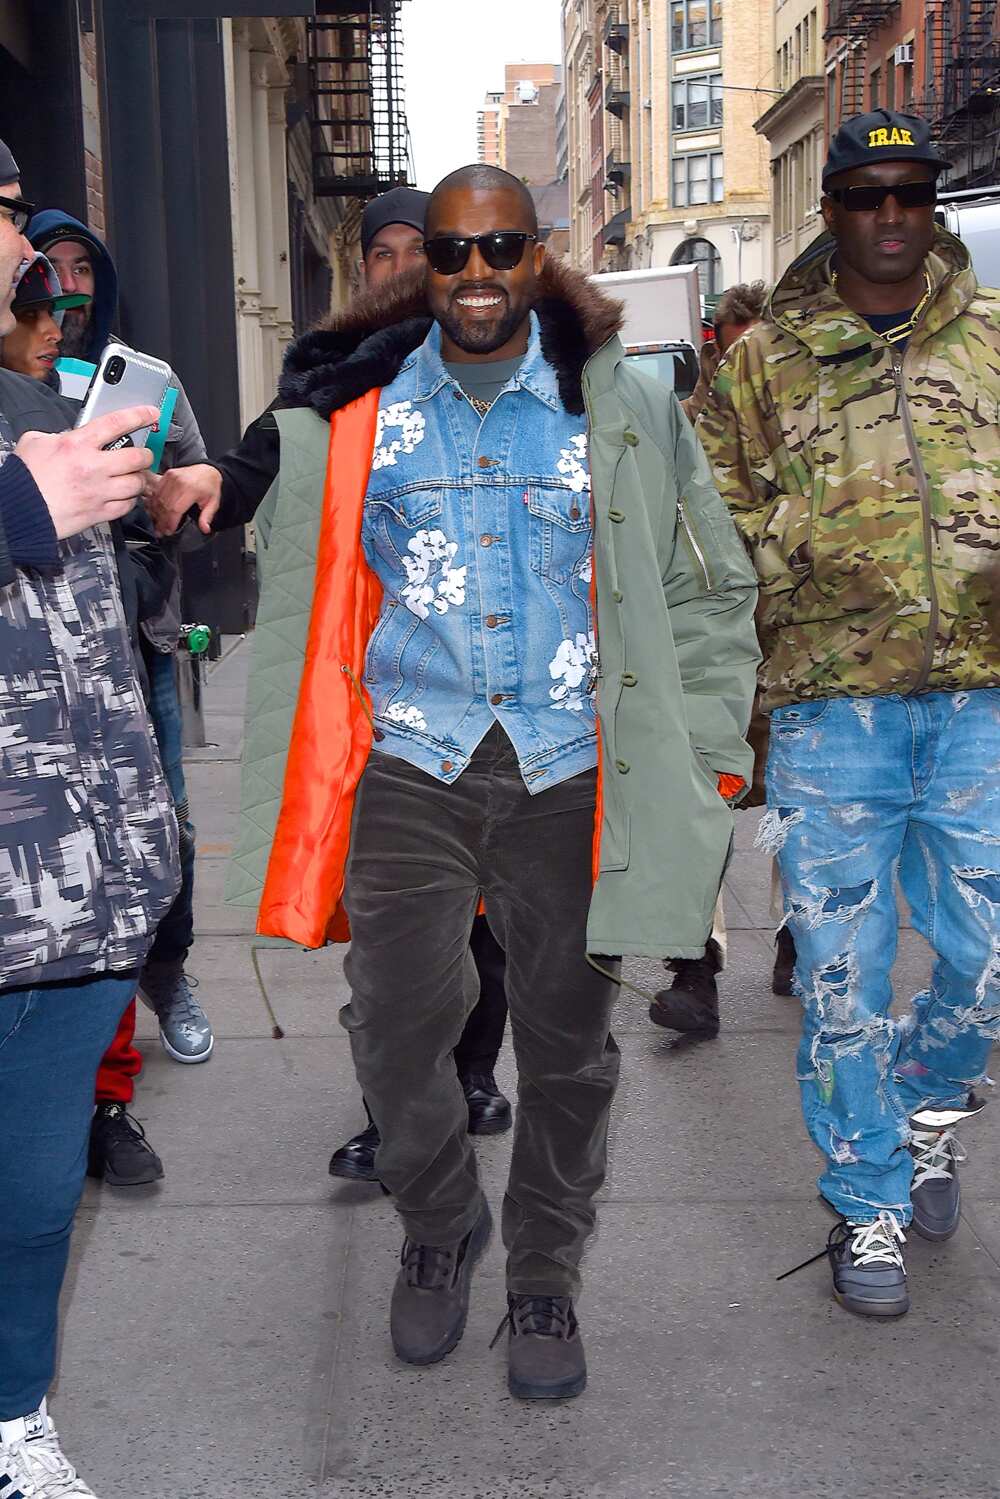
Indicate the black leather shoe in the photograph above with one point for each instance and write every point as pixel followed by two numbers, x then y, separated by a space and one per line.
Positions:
pixel 119 1152
pixel 355 1161
pixel 545 1359
pixel 784 963
pixel 869 1276
pixel 489 1110
pixel 430 1300
pixel 691 1004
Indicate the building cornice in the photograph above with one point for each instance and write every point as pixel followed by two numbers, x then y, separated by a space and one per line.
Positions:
pixel 803 92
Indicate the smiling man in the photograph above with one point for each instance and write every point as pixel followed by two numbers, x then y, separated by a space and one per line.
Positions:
pixel 854 435
pixel 488 489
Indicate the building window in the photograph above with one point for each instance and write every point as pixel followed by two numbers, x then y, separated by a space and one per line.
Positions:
pixel 694 24
pixel 875 88
pixel 703 254
pixel 697 102
pixel 929 20
pixel 906 82
pixel 831 101
pixel 890 83
pixel 697 178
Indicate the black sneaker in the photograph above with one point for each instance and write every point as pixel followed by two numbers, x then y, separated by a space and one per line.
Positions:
pixel 355 1161
pixel 119 1152
pixel 691 1004
pixel 935 1192
pixel 784 963
pixel 869 1276
pixel 430 1300
pixel 545 1359
pixel 489 1111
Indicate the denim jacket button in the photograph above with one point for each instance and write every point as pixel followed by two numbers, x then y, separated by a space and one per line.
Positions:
pixel 490 621
pixel 485 462
pixel 447 765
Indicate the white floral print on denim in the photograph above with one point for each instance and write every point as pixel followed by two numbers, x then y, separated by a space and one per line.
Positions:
pixel 411 426
pixel 432 581
pixel 571 669
pixel 586 573
pixel 573 464
pixel 406 714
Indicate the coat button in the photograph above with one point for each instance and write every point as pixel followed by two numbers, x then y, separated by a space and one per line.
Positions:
pixel 447 765
pixel 486 541
pixel 629 679
pixel 622 767
pixel 574 513
pixel 616 515
pixel 617 595
pixel 490 621
pixel 485 462
pixel 497 697
pixel 630 437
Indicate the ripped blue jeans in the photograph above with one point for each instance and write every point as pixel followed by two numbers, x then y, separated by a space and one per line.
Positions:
pixel 860 791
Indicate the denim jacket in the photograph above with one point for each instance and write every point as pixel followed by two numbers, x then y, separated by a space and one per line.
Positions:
pixel 479 531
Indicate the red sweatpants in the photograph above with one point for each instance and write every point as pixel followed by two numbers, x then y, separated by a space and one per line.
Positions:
pixel 120 1064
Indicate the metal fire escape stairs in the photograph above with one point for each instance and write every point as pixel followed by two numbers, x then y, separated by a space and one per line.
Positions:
pixel 360 144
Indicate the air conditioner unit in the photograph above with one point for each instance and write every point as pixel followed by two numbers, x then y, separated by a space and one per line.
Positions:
pixel 903 54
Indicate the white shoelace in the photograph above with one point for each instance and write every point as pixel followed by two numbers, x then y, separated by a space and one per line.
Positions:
pixel 935 1153
pixel 41 1468
pixel 878 1243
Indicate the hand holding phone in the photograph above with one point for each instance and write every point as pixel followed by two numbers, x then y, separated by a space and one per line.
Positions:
pixel 124 378
pixel 85 476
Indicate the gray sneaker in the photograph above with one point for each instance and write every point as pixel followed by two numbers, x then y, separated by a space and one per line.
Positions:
pixel 185 1031
pixel 935 1193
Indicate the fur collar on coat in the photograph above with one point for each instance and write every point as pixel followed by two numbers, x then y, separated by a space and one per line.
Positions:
pixel 365 346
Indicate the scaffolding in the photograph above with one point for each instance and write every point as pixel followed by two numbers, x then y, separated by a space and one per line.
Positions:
pixel 360 144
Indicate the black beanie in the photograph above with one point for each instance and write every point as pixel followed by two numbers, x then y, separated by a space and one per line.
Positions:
pixel 9 169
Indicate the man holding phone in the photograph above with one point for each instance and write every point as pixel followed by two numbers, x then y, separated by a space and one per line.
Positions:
pixel 88 847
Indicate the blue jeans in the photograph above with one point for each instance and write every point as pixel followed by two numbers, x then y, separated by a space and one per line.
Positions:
pixel 860 790
pixel 51 1040
pixel 175 933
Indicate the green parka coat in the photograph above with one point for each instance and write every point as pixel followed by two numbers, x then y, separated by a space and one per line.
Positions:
pixel 675 616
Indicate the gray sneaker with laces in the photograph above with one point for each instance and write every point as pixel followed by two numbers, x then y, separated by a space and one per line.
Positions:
pixel 185 1030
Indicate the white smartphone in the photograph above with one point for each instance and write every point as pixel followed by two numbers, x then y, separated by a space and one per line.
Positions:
pixel 125 378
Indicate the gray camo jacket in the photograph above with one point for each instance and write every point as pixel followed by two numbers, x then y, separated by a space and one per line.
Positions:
pixel 88 837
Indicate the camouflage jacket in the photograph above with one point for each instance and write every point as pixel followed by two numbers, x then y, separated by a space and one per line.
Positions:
pixel 88 838
pixel 866 483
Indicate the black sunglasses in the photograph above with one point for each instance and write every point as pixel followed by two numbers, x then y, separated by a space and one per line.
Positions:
pixel 867 199
pixel 20 212
pixel 502 249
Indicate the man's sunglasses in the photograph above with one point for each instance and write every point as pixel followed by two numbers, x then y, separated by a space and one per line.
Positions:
pixel 502 249
pixel 20 212
pixel 867 199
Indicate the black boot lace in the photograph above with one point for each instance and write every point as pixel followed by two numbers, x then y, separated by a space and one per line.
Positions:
pixel 430 1267
pixel 544 1316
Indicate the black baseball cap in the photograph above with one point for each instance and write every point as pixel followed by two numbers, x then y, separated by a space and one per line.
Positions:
pixel 883 135
pixel 37 283
pixel 401 205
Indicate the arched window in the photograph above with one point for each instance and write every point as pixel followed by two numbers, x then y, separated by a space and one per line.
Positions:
pixel 703 254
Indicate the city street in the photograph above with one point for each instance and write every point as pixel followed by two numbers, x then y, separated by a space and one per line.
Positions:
pixel 226 1332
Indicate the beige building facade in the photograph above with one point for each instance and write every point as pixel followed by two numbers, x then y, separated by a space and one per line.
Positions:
pixel 793 126
pixel 517 128
pixel 677 173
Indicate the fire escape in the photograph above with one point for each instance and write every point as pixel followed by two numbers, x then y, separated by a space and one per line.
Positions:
pixel 961 85
pixel 360 144
pixel 852 23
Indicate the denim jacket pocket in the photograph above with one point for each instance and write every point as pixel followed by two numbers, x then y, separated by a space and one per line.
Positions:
pixel 398 517
pixel 560 528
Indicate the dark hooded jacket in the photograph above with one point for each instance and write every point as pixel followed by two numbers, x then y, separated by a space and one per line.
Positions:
pixel 51 225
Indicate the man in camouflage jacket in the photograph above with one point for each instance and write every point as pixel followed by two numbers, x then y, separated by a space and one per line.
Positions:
pixel 88 847
pixel 855 437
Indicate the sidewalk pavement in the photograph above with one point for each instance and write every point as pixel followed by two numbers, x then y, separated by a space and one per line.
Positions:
pixel 226 1332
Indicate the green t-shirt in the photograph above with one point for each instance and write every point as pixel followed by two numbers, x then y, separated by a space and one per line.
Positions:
pixel 485 379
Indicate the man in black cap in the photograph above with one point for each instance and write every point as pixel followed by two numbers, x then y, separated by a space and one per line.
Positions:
pixel 392 235
pixel 854 435
pixel 88 847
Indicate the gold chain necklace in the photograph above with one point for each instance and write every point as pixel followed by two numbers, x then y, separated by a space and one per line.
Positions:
pixel 481 406
pixel 899 331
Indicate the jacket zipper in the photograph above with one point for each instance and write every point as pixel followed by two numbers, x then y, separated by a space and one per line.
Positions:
pixel 694 543
pixel 923 489
pixel 361 699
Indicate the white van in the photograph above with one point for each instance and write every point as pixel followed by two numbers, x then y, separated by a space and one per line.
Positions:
pixel 662 327
pixel 974 216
